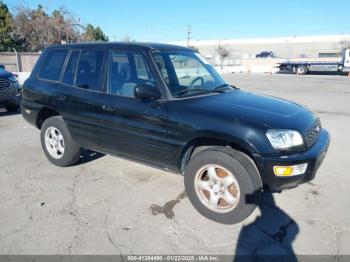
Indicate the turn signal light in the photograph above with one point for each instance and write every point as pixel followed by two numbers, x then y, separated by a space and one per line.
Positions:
pixel 290 170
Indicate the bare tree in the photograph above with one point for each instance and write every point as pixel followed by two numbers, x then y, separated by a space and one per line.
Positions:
pixel 223 52
pixel 65 26
pixel 39 29
pixel 33 27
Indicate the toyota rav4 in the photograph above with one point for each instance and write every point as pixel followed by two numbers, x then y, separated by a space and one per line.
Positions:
pixel 166 106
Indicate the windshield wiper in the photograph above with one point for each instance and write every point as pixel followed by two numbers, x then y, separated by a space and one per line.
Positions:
pixel 191 90
pixel 224 87
pixel 219 89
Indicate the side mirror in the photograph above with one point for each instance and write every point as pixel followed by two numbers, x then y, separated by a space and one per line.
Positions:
pixel 146 91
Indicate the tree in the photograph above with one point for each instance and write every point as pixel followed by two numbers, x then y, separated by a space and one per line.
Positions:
pixel 99 35
pixel 88 35
pixel 223 53
pixel 94 34
pixel 38 29
pixel 65 26
pixel 6 23
pixel 34 29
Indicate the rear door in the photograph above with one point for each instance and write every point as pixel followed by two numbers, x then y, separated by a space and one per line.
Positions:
pixel 129 126
pixel 78 97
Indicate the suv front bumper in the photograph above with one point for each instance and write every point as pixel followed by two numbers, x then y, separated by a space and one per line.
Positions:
pixel 313 157
pixel 10 95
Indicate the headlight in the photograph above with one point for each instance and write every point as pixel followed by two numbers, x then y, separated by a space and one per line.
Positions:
pixel 284 138
pixel 13 79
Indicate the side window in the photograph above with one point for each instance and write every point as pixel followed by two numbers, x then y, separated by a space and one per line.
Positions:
pixel 89 70
pixel 52 65
pixel 71 68
pixel 126 71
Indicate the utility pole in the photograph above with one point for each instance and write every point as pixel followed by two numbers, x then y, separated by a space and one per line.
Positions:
pixel 189 32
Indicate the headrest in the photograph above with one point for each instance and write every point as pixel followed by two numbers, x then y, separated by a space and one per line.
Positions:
pixel 124 71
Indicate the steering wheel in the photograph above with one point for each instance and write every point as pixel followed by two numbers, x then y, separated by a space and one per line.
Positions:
pixel 198 78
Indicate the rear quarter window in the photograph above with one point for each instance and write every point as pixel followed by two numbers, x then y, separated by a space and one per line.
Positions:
pixel 52 65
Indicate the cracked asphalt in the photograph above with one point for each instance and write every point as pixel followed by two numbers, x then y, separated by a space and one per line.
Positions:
pixel 107 205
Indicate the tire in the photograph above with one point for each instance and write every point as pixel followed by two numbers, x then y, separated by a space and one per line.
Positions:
pixel 12 107
pixel 62 141
pixel 230 162
pixel 302 70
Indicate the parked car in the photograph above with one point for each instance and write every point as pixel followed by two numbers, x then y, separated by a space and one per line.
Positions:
pixel 10 93
pixel 265 54
pixel 165 106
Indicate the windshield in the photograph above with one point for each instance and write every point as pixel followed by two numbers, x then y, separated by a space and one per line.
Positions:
pixel 187 73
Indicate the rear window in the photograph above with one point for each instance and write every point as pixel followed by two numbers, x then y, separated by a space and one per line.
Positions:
pixel 53 63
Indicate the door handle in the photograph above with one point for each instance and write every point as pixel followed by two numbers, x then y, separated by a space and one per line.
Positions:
pixel 60 97
pixel 108 108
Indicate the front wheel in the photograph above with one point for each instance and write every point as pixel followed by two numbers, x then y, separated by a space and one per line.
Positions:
pixel 57 142
pixel 223 184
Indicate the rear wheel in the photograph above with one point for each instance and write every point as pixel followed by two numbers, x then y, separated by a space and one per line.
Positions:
pixel 223 184
pixel 57 142
pixel 302 70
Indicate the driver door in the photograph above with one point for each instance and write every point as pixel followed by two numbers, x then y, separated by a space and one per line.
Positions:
pixel 130 126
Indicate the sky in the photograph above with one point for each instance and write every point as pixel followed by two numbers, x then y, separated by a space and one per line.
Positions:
pixel 167 20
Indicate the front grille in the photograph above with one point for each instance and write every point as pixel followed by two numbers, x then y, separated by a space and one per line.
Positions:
pixel 313 133
pixel 4 84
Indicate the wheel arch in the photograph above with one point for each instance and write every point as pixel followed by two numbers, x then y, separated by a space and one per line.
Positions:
pixel 45 113
pixel 201 143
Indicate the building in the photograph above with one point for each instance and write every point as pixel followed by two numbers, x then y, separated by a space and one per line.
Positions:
pixel 242 52
pixel 282 47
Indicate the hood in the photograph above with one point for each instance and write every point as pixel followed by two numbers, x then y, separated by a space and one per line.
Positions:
pixel 264 110
pixel 5 74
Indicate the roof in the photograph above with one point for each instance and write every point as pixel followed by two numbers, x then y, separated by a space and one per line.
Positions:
pixel 141 45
